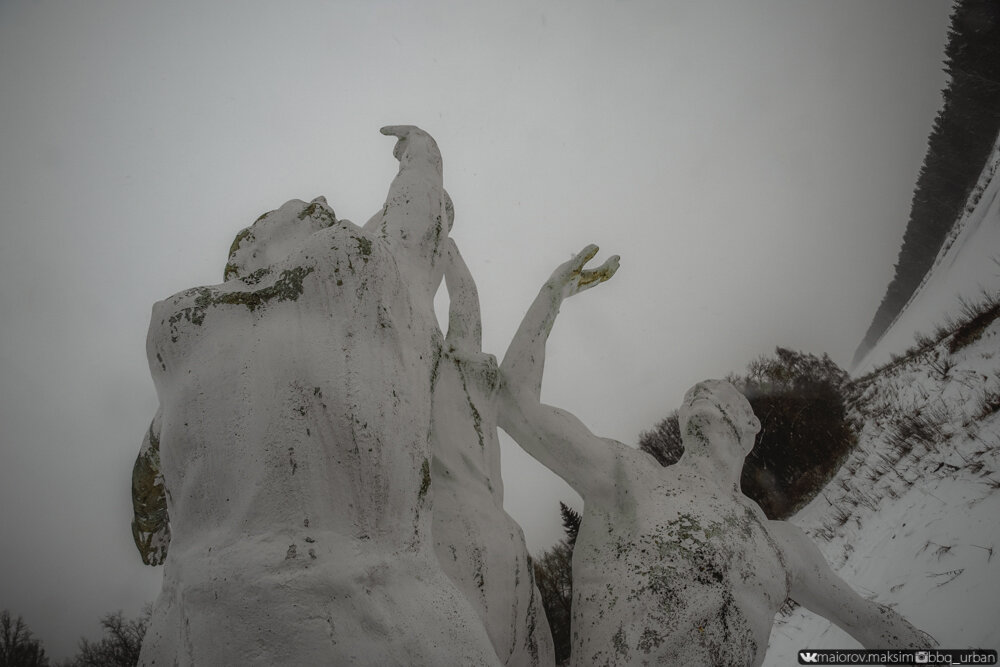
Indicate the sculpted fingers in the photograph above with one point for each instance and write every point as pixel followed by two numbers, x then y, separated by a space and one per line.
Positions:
pixel 571 277
pixel 583 279
pixel 599 275
pixel 405 133
pixel 401 131
pixel 584 256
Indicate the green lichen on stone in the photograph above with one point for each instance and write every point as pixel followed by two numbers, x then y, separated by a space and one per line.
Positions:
pixel 364 247
pixel 687 554
pixel 150 523
pixel 242 236
pixel 194 314
pixel 308 211
pixel 288 287
pixel 477 419
pixel 315 210
pixel 256 276
pixel 425 479
pixel 686 535
pixel 231 271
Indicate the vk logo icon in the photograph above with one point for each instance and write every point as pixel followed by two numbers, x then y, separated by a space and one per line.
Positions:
pixel 806 658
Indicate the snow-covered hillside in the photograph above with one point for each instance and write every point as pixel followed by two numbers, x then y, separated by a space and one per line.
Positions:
pixel 967 265
pixel 911 519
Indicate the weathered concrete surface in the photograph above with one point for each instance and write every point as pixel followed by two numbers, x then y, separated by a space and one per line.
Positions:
pixel 294 443
pixel 479 545
pixel 673 565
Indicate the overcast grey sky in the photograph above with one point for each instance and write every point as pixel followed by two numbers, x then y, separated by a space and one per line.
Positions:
pixel 751 162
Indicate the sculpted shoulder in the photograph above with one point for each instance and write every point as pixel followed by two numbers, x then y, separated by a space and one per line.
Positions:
pixel 296 252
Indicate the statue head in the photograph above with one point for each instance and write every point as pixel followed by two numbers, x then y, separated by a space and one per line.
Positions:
pixel 716 418
pixel 275 235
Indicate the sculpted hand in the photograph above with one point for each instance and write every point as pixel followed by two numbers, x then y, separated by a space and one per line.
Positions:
pixel 571 278
pixel 414 145
pixel 523 364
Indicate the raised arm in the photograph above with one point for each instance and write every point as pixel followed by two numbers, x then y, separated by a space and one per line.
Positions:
pixel 815 586
pixel 415 219
pixel 554 437
pixel 465 327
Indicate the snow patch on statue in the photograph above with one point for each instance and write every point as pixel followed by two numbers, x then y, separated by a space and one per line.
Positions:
pixel 293 444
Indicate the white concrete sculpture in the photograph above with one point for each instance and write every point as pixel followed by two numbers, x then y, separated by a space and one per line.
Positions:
pixel 479 545
pixel 673 565
pixel 293 447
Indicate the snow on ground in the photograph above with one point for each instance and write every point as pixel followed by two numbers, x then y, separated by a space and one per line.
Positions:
pixel 967 265
pixel 911 518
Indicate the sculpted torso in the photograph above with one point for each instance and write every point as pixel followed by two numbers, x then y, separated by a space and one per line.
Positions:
pixel 673 566
pixel 686 575
pixel 294 444
pixel 290 384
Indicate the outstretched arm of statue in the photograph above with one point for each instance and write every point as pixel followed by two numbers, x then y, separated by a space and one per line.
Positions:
pixel 150 523
pixel 464 341
pixel 465 328
pixel 554 437
pixel 815 586
pixel 415 219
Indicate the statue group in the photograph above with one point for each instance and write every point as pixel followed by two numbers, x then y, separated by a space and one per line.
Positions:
pixel 322 479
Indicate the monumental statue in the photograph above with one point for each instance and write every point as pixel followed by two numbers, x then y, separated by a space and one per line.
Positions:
pixel 322 484
pixel 286 480
pixel 673 565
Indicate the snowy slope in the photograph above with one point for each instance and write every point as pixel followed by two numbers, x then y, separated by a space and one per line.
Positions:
pixel 912 519
pixel 916 529
pixel 966 266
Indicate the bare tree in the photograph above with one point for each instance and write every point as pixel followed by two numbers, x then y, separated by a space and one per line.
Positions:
pixel 18 648
pixel 120 645
pixel 664 440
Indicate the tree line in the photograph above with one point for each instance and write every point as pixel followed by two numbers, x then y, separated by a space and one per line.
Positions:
pixel 961 139
pixel 119 647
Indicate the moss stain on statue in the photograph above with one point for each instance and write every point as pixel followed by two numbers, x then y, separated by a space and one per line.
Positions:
pixel 477 418
pixel 150 524
pixel 425 479
pixel 287 287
